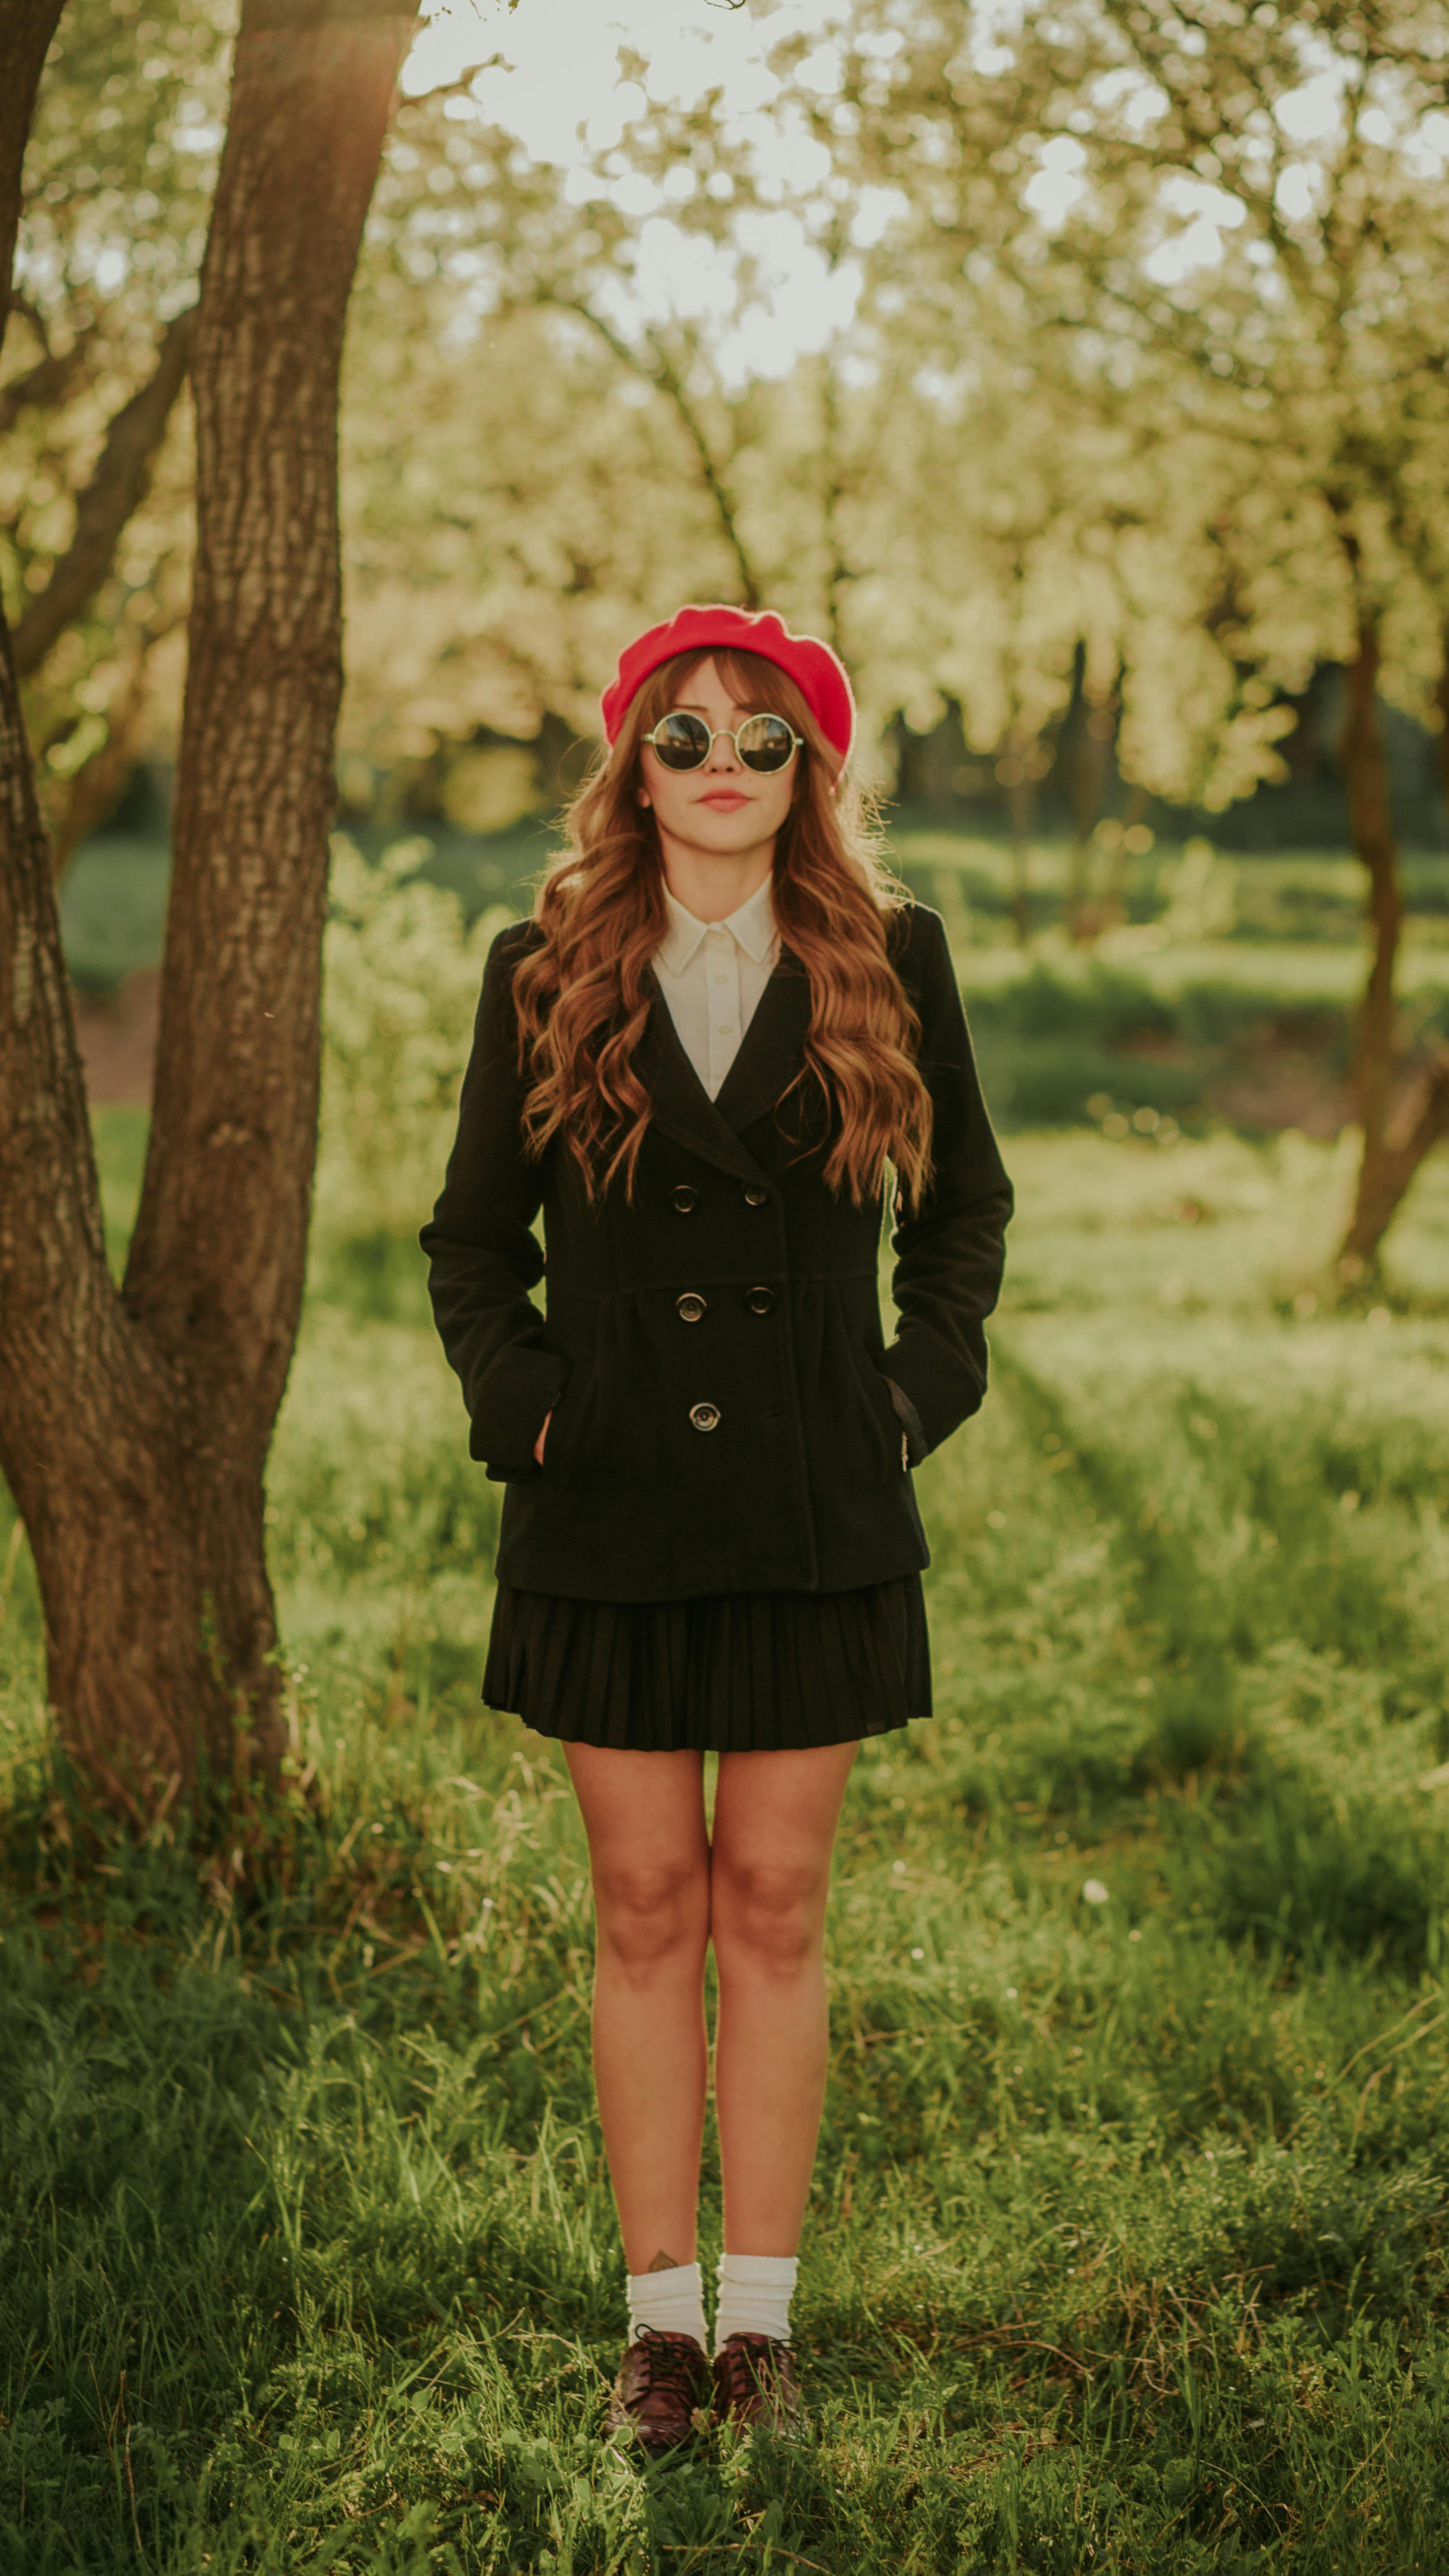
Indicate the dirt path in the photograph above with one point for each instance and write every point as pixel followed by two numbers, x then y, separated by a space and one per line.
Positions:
pixel 117 1033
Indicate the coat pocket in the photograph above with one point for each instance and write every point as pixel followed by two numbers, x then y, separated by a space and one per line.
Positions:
pixel 891 1426
pixel 606 1425
pixel 873 1409
pixel 572 1337
pixel 568 1424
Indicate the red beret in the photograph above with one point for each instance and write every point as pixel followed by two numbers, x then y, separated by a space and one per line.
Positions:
pixel 818 674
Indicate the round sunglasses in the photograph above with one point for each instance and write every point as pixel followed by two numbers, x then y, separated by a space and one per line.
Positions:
pixel 762 742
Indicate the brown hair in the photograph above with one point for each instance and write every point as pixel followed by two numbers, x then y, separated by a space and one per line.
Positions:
pixel 583 995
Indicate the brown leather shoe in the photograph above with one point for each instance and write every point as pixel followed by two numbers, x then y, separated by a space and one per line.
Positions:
pixel 755 2383
pixel 662 2379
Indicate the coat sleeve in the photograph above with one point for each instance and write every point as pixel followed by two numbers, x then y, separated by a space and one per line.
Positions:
pixel 483 1256
pixel 949 1251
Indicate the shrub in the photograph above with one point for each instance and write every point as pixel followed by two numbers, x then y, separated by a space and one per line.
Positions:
pixel 401 978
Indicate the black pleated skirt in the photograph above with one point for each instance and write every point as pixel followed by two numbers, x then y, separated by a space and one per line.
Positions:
pixel 740 1672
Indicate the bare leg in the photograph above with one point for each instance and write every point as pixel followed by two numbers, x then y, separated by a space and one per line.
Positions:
pixel 649 1859
pixel 774 1828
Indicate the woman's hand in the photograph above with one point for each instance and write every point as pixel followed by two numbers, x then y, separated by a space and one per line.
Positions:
pixel 543 1435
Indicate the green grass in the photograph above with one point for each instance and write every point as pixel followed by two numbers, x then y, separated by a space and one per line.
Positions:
pixel 1127 2248
pixel 1245 1027
pixel 1307 896
pixel 1298 918
pixel 1063 1039
pixel 113 897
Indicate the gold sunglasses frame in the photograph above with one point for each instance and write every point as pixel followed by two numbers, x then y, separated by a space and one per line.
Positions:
pixel 723 734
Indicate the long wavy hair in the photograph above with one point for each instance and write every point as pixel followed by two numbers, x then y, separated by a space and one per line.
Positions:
pixel 583 993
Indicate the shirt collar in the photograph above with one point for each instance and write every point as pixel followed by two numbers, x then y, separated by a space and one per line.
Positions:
pixel 753 926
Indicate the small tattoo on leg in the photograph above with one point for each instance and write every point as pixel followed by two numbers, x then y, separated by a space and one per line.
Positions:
pixel 664 2262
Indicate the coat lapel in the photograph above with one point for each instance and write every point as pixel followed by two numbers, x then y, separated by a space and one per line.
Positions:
pixel 768 1059
pixel 683 1109
pixel 772 1049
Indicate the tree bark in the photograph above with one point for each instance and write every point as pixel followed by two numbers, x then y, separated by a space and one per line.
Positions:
pixel 27 27
pixel 134 1429
pixel 1371 821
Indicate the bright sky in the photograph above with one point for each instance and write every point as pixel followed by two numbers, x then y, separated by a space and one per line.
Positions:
pixel 562 55
pixel 559 73
pixel 559 76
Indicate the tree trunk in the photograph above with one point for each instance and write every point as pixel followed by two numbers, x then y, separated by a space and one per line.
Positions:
pixel 134 1429
pixel 27 28
pixel 1370 807
pixel 1441 701
pixel 1419 1123
pixel 1020 813
pixel 1111 907
pixel 1411 1128
pixel 1095 732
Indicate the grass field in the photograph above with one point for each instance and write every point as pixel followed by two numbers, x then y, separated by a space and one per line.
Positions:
pixel 1128 2241
pixel 114 896
pixel 1226 996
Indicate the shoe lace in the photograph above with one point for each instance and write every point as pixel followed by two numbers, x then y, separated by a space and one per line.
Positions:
pixel 670 2361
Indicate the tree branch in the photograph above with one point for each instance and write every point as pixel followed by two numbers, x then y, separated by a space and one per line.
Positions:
pixel 715 484
pixel 92 793
pixel 114 492
pixel 30 312
pixel 666 376
pixel 48 381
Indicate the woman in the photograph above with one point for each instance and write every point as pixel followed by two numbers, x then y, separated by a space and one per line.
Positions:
pixel 698 1057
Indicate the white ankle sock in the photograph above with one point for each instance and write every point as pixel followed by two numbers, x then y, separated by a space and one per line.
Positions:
pixel 754 2296
pixel 672 2302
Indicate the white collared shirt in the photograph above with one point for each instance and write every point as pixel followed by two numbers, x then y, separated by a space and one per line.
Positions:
pixel 712 974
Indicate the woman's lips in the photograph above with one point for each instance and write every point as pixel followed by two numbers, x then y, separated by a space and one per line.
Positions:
pixel 725 797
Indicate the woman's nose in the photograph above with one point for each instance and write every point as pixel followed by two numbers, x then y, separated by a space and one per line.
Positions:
pixel 722 752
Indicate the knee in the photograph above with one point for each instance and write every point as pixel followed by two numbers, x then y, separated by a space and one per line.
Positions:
pixel 650 1914
pixel 770 1913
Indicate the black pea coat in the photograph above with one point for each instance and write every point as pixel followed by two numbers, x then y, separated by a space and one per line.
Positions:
pixel 726 1415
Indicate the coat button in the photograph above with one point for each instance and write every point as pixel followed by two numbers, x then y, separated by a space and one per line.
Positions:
pixel 754 1197
pixel 690 1307
pixel 705 1417
pixel 685 1197
pixel 760 1301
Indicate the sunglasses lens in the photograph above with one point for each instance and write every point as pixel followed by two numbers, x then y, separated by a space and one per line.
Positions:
pixel 766 742
pixel 681 742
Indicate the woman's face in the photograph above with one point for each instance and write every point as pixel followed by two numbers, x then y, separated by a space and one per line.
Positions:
pixel 722 810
